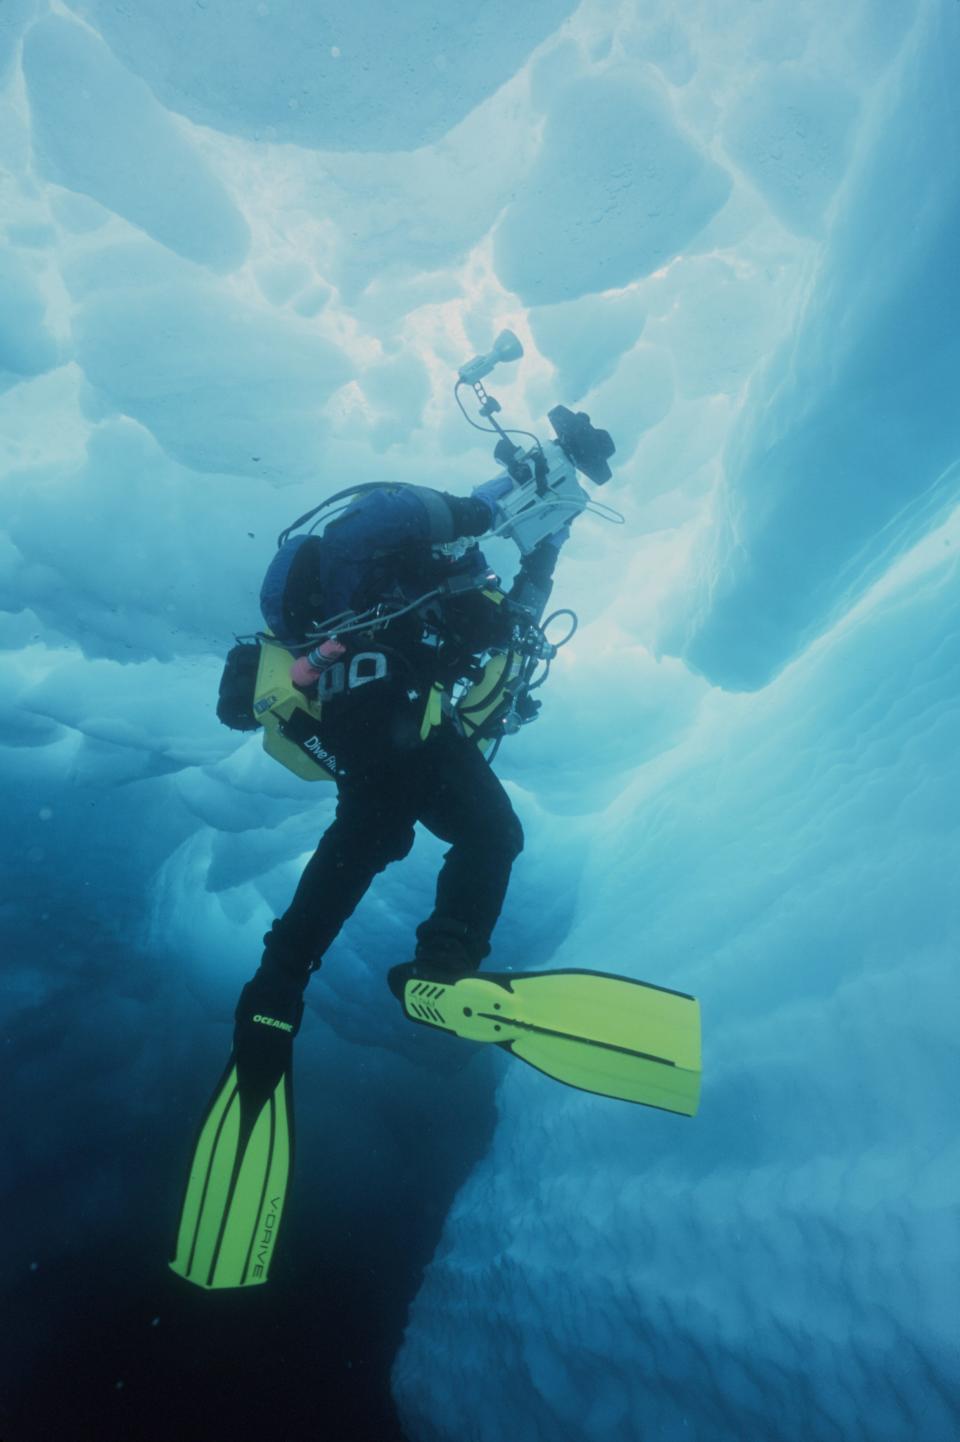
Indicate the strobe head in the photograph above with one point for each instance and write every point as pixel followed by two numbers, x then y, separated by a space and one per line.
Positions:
pixel 588 448
pixel 506 347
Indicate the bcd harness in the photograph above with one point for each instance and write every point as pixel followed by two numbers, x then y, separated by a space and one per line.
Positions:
pixel 490 699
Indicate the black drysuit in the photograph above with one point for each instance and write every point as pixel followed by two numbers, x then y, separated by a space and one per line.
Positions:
pixel 388 779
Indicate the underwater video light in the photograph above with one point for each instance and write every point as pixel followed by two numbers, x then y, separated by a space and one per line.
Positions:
pixel 506 347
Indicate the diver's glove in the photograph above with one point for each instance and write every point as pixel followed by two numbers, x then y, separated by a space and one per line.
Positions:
pixel 491 492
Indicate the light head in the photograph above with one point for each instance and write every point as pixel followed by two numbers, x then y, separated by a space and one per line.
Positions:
pixel 506 347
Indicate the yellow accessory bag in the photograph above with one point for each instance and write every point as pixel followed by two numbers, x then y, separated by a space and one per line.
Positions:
pixel 291 722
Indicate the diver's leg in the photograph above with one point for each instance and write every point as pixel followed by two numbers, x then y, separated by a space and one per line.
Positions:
pixel 374 826
pixel 462 802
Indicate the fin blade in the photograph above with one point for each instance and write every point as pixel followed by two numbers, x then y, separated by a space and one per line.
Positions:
pixel 236 1189
pixel 608 1072
pixel 614 1011
pixel 245 1244
pixel 219 1131
pixel 602 1033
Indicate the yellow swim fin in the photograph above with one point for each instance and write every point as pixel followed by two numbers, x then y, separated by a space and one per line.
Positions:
pixel 605 1034
pixel 238 1182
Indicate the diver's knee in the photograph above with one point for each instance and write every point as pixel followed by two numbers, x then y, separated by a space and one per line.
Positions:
pixel 501 843
pixel 511 837
pixel 391 846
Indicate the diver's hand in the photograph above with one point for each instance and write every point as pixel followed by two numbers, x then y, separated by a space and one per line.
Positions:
pixel 491 492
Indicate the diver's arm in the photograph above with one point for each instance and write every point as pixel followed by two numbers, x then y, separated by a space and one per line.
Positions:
pixel 534 581
pixel 450 518
pixel 470 514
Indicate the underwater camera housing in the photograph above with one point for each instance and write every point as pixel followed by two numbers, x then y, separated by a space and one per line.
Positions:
pixel 546 494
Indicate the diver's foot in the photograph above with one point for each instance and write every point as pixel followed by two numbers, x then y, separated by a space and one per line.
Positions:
pixel 446 950
pixel 425 970
pixel 271 998
pixel 398 976
pixel 268 1017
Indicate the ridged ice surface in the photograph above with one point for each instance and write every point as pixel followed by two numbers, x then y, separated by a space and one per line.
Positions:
pixel 785 1264
pixel 244 248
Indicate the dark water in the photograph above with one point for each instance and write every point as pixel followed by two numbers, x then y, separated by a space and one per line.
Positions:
pixel 104 1343
pixel 107 1062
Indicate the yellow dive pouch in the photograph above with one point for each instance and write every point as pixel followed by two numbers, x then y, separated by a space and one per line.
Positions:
pixel 433 714
pixel 489 698
pixel 291 722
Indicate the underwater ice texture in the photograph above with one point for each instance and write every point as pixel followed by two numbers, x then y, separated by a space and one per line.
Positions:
pixel 244 251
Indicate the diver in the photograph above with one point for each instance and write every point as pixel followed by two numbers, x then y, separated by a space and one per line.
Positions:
pixel 390 547
pixel 394 663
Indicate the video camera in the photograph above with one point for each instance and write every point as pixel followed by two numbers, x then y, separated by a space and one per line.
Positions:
pixel 546 494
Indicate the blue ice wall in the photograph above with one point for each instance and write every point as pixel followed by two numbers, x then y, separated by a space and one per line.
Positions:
pixel 783 1265
pixel 847 449
pixel 243 250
